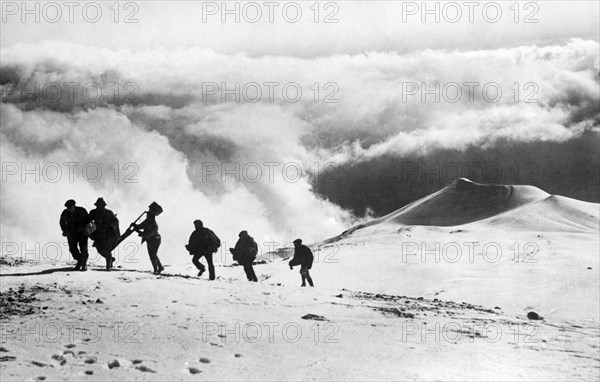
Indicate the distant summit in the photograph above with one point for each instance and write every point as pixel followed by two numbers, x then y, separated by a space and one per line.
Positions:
pixel 464 202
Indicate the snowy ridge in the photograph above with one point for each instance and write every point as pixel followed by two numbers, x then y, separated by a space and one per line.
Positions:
pixel 501 206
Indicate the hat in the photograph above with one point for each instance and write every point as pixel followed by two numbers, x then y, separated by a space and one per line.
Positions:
pixel 298 241
pixel 198 222
pixel 69 203
pixel 243 233
pixel 155 208
pixel 100 202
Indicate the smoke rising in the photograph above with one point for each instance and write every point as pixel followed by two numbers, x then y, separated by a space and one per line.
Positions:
pixel 155 116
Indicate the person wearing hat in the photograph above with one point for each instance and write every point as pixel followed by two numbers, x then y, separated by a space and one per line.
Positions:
pixel 303 256
pixel 203 243
pixel 148 230
pixel 107 231
pixel 245 253
pixel 72 221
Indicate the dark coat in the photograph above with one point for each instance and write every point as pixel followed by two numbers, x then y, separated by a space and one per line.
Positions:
pixel 148 228
pixel 303 256
pixel 245 250
pixel 203 241
pixel 72 224
pixel 107 229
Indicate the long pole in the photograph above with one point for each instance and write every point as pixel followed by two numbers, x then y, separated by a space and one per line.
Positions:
pixel 128 232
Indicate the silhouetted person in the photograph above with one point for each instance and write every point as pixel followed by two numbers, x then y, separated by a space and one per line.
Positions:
pixel 72 221
pixel 203 243
pixel 148 230
pixel 302 256
pixel 107 231
pixel 245 253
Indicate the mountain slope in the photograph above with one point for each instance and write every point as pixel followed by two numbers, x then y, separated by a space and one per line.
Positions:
pixel 511 207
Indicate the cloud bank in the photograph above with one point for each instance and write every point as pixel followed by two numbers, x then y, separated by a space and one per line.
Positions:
pixel 256 162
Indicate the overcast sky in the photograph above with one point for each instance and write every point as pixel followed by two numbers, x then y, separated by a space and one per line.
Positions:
pixel 353 27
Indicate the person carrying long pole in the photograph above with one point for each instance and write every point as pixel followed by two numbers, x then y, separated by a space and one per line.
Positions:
pixel 148 230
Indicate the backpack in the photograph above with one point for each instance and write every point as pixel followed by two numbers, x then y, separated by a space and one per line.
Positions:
pixel 247 252
pixel 213 242
pixel 254 250
pixel 250 251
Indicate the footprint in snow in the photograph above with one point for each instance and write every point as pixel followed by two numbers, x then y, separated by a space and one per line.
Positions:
pixel 316 317
pixel 59 358
pixel 145 369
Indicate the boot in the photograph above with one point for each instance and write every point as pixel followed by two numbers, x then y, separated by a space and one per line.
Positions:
pixel 109 262
pixel 83 268
pixel 77 267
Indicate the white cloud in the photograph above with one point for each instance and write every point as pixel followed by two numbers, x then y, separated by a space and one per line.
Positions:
pixel 173 134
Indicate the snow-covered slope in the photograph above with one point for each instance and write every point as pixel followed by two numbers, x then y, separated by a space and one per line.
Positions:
pixel 514 246
pixel 447 280
pixel 509 207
